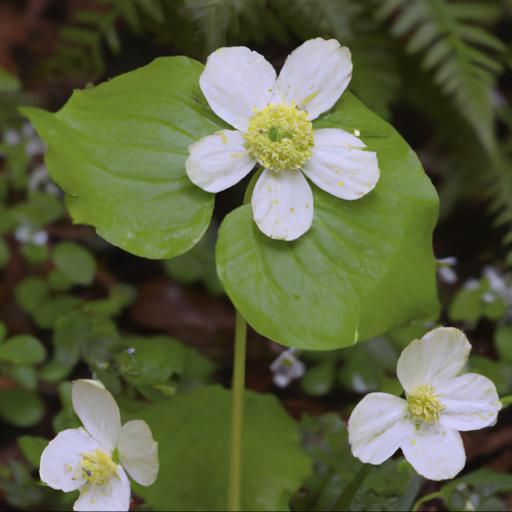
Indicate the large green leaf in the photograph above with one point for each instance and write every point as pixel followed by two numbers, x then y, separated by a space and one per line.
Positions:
pixel 193 429
pixel 364 267
pixel 118 151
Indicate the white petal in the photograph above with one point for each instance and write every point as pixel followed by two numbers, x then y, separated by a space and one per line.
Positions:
pixel 113 496
pixel 340 165
pixel 439 355
pixel 471 402
pixel 377 427
pixel 61 457
pixel 282 204
pixel 218 161
pixel 98 412
pixel 435 452
pixel 236 81
pixel 138 452
pixel 315 75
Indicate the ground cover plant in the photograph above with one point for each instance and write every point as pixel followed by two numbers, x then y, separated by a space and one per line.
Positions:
pixel 255 255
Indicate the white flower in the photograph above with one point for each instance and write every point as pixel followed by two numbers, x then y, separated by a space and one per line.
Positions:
pixel 272 120
pixel 287 367
pixel 93 459
pixel 439 403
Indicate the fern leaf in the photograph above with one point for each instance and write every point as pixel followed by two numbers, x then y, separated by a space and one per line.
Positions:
pixel 461 55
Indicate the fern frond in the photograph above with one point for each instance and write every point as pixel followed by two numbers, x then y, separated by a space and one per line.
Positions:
pixel 461 54
pixel 82 43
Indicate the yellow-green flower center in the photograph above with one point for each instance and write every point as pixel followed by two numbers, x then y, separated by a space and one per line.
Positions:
pixel 424 405
pixel 96 467
pixel 280 137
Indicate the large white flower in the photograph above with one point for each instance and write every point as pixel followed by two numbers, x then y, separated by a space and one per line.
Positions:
pixel 272 120
pixel 93 459
pixel 439 402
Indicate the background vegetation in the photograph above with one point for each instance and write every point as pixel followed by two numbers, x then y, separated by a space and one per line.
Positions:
pixel 71 305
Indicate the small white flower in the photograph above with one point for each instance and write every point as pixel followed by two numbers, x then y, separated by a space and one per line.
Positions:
pixel 287 367
pixel 272 120
pixel 93 459
pixel 446 270
pixel 439 403
pixel 12 138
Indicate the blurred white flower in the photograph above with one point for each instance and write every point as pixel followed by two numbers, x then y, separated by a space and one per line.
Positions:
pixel 439 403
pixel 40 179
pixel 272 116
pixel 287 367
pixel 12 138
pixel 500 285
pixel 93 459
pixel 26 234
pixel 446 270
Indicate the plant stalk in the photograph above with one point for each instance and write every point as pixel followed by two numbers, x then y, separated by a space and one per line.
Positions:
pixel 237 413
pixel 344 501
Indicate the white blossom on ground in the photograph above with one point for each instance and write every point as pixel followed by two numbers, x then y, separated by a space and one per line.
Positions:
pixel 439 402
pixel 272 116
pixel 95 458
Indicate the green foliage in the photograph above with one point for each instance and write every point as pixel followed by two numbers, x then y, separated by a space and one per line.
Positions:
pixel 76 264
pixel 355 254
pixel 22 350
pixel 479 491
pixel 391 486
pixel 461 53
pixel 82 41
pixel 192 431
pixel 102 186
pixel 197 265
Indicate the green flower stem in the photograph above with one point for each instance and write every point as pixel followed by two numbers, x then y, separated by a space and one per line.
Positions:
pixel 237 413
pixel 351 489
pixel 506 401
pixel 424 499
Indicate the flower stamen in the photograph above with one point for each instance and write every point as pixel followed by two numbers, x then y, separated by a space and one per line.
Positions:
pixel 424 405
pixel 280 137
pixel 96 467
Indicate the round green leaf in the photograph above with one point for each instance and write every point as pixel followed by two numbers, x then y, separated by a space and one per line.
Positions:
pixel 23 350
pixel 192 431
pixel 20 407
pixel 118 151
pixel 150 361
pixel 75 262
pixel 365 266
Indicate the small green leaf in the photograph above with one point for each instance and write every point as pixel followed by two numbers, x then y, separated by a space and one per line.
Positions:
pixel 3 331
pixel 150 361
pixel 32 447
pixel 51 309
pixel 30 293
pixel 192 431
pixel 35 254
pixel 8 82
pixel 503 342
pixel 20 407
pixel 318 380
pixel 118 150
pixel 79 333
pixel 75 262
pixel 467 305
pixel 23 350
